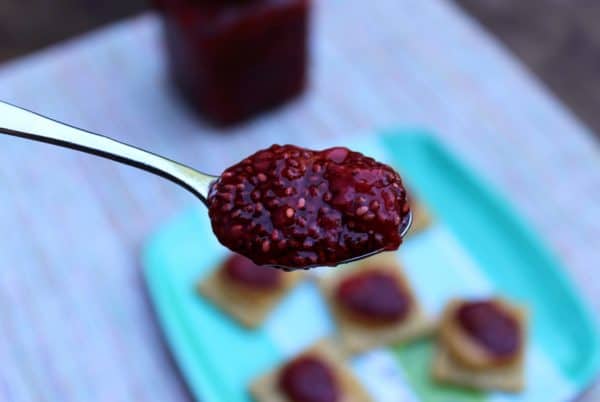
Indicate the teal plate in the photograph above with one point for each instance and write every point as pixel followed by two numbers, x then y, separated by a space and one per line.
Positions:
pixel 478 246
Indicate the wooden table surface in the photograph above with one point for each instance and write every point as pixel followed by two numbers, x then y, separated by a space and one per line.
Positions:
pixel 75 322
pixel 558 40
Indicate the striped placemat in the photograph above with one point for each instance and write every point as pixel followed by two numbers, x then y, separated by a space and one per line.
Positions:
pixel 74 318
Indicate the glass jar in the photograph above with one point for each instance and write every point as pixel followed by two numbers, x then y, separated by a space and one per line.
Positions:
pixel 233 59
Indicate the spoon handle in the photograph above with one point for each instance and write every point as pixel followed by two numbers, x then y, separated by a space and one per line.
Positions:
pixel 22 123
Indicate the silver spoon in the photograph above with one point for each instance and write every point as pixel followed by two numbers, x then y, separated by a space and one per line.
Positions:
pixel 22 123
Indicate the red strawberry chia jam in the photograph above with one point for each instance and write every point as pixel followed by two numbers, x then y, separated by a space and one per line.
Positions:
pixel 374 297
pixel 243 271
pixel 491 327
pixel 297 208
pixel 308 379
pixel 233 59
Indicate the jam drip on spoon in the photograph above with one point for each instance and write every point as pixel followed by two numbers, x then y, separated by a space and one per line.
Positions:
pixel 373 297
pixel 491 327
pixel 297 208
pixel 308 379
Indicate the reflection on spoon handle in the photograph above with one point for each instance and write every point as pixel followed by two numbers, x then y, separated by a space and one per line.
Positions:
pixel 22 123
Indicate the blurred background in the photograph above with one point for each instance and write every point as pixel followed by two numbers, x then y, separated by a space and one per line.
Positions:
pixel 510 86
pixel 557 40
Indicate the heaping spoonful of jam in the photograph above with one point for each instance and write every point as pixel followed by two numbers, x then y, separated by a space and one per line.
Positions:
pixel 285 206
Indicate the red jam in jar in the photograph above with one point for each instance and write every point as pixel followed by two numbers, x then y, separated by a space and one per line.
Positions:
pixel 236 58
pixel 308 379
pixel 374 297
pixel 491 327
pixel 241 270
pixel 296 208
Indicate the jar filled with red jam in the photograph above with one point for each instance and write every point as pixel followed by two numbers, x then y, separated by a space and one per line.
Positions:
pixel 233 59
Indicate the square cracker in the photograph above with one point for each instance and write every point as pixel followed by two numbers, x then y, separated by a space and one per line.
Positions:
pixel 357 337
pixel 467 352
pixel 449 368
pixel 505 378
pixel 248 307
pixel 265 389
